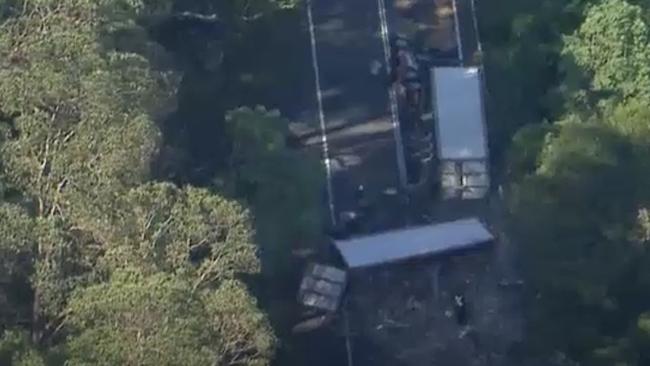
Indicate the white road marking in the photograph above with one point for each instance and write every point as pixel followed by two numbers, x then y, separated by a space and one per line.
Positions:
pixel 321 114
pixel 475 20
pixel 401 164
pixel 459 43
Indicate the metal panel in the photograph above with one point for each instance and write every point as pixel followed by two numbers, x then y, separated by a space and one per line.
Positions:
pixel 414 242
pixel 448 167
pixel 322 287
pixel 475 180
pixel 328 273
pixel 459 124
pixel 474 167
pixel 450 181
pixel 319 301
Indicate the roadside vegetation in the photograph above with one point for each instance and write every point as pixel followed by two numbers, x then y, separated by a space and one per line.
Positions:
pixel 143 213
pixel 570 109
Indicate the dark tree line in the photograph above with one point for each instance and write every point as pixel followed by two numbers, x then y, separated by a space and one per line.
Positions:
pixel 568 99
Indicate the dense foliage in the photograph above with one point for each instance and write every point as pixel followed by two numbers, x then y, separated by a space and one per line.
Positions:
pixel 580 190
pixel 261 165
pixel 139 203
pixel 103 260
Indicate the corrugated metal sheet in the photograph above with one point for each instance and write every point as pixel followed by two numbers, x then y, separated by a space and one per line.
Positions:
pixel 464 179
pixel 471 167
pixel 414 242
pixel 329 273
pixel 322 287
pixel 475 181
pixel 458 103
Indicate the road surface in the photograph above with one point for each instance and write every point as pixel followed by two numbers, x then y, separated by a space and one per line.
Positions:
pixel 353 91
pixel 468 33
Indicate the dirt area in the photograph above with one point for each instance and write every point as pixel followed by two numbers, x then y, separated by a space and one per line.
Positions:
pixel 429 22
pixel 407 310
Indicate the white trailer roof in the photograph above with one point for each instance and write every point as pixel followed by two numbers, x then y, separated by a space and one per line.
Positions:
pixel 414 242
pixel 458 103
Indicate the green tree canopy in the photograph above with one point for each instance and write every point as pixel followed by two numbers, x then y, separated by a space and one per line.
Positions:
pixel 611 45
pixel 77 133
pixel 17 350
pixel 243 334
pixel 579 192
pixel 138 320
pixel 578 220
pixel 187 231
pixel 158 319
pixel 632 119
pixel 80 123
pixel 113 269
pixel 275 179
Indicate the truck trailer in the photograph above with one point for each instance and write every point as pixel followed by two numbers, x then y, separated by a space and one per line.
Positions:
pixel 461 133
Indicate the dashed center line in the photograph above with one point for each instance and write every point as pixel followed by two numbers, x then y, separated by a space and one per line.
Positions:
pixel 321 115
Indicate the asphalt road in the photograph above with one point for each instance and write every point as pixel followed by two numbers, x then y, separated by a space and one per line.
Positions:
pixel 467 32
pixel 348 41
pixel 355 102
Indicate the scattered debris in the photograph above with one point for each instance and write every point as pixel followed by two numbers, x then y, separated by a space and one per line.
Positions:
pixel 375 67
pixel 464 331
pixel 413 305
pixel 511 283
pixel 449 313
pixel 322 287
pixel 460 308
pixel 390 323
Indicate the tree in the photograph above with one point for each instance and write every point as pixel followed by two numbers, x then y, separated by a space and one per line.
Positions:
pixel 16 350
pixel 16 247
pixel 243 332
pixel 527 145
pixel 16 232
pixel 81 117
pixel 576 216
pixel 79 131
pixel 611 45
pixel 107 262
pixel 522 41
pixel 189 231
pixel 632 119
pixel 274 179
pixel 138 320
pixel 158 319
pixel 212 42
pixel 579 194
pixel 199 241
